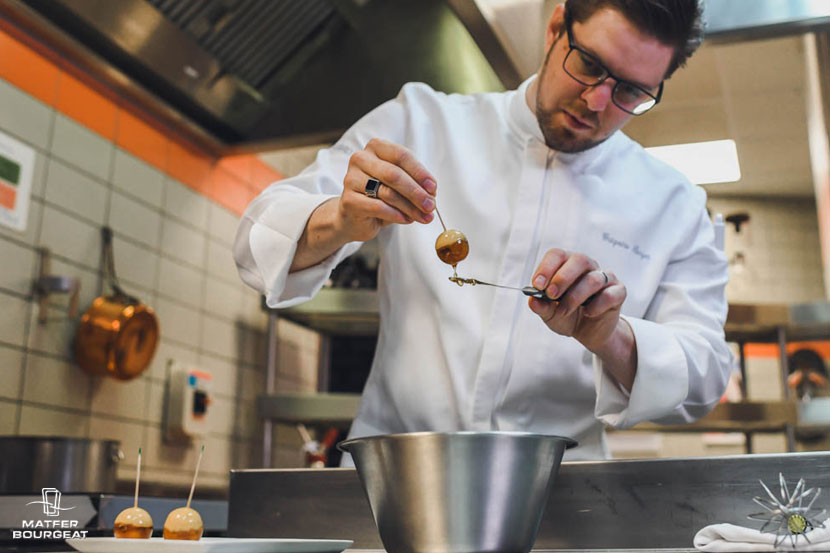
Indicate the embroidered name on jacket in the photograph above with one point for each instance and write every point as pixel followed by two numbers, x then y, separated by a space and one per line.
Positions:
pixel 635 249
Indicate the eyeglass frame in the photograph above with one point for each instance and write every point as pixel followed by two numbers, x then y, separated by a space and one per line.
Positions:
pixel 572 45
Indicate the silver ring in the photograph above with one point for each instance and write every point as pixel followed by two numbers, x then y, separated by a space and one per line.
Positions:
pixel 606 278
pixel 372 188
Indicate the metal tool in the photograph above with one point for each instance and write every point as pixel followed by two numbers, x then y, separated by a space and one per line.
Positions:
pixel 788 514
pixel 529 291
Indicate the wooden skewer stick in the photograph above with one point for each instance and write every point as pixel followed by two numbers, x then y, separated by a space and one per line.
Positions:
pixel 193 486
pixel 137 477
pixel 440 218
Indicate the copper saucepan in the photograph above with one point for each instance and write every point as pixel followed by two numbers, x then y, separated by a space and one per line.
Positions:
pixel 118 334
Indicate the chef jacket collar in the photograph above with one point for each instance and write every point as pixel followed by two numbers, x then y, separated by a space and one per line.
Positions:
pixel 523 122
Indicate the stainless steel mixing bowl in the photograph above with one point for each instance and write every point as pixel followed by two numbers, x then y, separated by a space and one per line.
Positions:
pixel 460 492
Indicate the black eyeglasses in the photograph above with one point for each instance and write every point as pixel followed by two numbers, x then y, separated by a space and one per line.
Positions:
pixel 586 69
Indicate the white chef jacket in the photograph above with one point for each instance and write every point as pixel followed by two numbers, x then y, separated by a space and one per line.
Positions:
pixel 477 358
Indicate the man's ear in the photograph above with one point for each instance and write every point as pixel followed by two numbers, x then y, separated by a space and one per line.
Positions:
pixel 556 25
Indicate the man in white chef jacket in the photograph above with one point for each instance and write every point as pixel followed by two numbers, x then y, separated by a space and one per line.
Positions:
pixel 548 191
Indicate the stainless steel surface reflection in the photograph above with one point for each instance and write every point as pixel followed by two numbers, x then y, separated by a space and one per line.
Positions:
pixel 72 465
pixel 462 492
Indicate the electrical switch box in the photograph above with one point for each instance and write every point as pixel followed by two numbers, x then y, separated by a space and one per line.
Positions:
pixel 188 402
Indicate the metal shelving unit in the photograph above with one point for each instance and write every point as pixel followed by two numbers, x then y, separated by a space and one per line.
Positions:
pixel 762 323
pixel 344 312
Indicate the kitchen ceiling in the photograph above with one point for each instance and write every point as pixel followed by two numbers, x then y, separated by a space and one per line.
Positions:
pixel 752 92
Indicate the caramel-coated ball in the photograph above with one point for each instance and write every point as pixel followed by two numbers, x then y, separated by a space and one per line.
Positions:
pixel 183 523
pixel 134 522
pixel 452 246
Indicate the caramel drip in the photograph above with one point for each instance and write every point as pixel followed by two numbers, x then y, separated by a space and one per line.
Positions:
pixel 462 281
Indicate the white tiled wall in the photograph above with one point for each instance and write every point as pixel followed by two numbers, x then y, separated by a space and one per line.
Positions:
pixel 172 249
pixel 781 248
pixel 782 265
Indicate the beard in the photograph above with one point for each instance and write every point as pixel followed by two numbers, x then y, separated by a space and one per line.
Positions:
pixel 559 137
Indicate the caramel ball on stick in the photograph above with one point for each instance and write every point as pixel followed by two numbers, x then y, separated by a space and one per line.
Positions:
pixel 185 523
pixel 134 522
pixel 452 247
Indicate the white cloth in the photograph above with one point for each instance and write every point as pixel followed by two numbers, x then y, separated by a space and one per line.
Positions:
pixel 729 537
pixel 477 358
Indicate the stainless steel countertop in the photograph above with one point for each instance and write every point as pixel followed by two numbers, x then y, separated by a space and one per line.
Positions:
pixel 637 505
pixel 532 551
pixel 692 550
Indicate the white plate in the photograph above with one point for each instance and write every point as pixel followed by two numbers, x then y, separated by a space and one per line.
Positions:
pixel 208 545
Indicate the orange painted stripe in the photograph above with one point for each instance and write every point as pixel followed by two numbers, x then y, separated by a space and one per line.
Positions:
pixel 771 350
pixel 263 175
pixel 28 70
pixel 8 196
pixel 201 374
pixel 232 181
pixel 86 106
pixel 240 166
pixel 230 192
pixel 190 166
pixel 142 140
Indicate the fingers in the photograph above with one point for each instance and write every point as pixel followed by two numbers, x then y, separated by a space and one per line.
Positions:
pixel 575 280
pixel 358 203
pixel 544 308
pixel 407 185
pixel 403 158
pixel 583 289
pixel 595 294
pixel 382 207
pixel 559 270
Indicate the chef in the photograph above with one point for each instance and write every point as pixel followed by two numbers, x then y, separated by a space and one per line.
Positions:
pixel 549 192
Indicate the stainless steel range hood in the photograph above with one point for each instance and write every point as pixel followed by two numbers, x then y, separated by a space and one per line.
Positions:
pixel 736 20
pixel 247 75
pixel 255 74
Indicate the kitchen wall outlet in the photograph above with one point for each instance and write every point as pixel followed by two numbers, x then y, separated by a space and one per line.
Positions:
pixel 188 402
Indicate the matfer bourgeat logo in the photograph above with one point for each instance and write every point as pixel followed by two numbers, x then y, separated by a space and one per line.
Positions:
pixel 49 529
pixel 51 502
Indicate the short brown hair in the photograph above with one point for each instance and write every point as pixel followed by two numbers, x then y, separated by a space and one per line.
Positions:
pixel 676 23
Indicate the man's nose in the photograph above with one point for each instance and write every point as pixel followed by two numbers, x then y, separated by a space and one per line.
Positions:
pixel 597 97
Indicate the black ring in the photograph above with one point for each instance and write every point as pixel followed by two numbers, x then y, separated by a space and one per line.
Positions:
pixel 606 278
pixel 372 188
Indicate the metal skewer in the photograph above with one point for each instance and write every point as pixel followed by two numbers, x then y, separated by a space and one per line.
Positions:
pixel 527 290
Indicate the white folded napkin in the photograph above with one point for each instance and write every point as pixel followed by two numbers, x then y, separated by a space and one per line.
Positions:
pixel 729 537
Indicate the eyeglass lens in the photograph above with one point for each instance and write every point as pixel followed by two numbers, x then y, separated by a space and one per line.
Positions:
pixel 589 71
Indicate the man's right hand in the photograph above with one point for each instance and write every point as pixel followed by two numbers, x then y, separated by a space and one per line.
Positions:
pixel 407 192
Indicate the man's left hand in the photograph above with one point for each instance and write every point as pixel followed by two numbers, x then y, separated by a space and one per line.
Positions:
pixel 589 299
